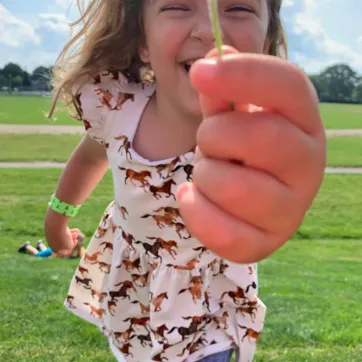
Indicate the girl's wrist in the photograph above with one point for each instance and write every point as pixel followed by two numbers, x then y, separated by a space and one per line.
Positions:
pixel 55 220
pixel 57 232
pixel 63 208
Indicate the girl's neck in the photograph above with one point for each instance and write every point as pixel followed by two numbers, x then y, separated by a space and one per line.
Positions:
pixel 165 131
pixel 181 125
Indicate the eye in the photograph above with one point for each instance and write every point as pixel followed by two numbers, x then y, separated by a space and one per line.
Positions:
pixel 239 8
pixel 173 8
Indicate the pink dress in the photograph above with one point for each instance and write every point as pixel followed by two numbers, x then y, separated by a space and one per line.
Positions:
pixel 154 290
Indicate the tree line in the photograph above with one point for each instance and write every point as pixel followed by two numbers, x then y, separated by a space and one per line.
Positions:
pixel 338 83
pixel 13 76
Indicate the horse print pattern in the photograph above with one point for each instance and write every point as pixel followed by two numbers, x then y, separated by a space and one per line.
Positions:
pixel 154 290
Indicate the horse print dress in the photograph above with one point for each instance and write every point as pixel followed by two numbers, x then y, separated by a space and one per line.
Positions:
pixel 154 290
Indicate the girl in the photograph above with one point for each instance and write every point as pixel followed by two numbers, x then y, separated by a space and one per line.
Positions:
pixel 42 251
pixel 150 278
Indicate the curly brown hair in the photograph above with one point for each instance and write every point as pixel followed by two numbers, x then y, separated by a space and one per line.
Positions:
pixel 103 24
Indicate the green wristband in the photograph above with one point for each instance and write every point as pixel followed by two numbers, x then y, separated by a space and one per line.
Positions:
pixel 63 208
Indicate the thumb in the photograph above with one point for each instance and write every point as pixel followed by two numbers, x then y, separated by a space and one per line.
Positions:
pixel 74 233
pixel 198 72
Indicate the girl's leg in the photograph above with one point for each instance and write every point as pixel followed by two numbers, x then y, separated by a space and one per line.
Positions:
pixel 224 356
pixel 40 245
pixel 46 253
pixel 28 249
pixel 31 250
pixel 22 247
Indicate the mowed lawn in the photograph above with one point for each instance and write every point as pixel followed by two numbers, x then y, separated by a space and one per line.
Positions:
pixel 341 116
pixel 312 286
pixel 32 110
pixel 342 151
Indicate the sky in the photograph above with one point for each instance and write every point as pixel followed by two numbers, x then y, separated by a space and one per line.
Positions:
pixel 320 32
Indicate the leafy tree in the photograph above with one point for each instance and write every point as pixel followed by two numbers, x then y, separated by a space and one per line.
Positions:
pixel 337 83
pixel 12 69
pixel 40 73
pixel 26 79
pixel 17 81
pixel 3 81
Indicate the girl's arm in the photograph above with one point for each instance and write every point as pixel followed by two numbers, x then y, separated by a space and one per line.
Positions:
pixel 85 168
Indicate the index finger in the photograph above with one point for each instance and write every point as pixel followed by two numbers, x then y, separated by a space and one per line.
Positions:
pixel 212 106
pixel 262 80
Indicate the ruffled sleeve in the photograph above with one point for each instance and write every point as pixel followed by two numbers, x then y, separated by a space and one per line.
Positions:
pixel 96 98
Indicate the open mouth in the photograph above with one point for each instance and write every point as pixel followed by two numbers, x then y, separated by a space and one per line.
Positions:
pixel 187 64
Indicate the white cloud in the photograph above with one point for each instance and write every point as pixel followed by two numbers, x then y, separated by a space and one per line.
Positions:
pixel 288 3
pixel 14 31
pixel 56 22
pixel 65 4
pixel 359 40
pixel 308 24
pixel 310 64
pixel 305 24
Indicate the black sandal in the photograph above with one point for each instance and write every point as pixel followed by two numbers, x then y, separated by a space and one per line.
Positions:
pixel 23 247
pixel 40 242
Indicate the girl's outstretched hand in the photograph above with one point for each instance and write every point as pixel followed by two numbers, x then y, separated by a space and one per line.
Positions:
pixel 258 169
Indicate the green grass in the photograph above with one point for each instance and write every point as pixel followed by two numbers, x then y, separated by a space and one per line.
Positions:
pixel 337 210
pixel 342 151
pixel 312 286
pixel 312 292
pixel 31 110
pixel 341 116
pixel 23 148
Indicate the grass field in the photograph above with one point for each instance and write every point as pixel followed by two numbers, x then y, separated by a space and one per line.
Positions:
pixel 342 151
pixel 31 110
pixel 55 148
pixel 312 286
pixel 341 116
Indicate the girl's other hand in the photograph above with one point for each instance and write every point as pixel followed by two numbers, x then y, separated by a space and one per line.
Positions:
pixel 60 238
pixel 71 239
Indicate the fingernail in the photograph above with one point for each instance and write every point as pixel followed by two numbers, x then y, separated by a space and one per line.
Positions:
pixel 198 154
pixel 182 190
pixel 226 49
pixel 208 61
pixel 205 68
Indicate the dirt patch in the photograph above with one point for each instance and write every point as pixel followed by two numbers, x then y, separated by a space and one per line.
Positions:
pixel 334 170
pixel 79 130
pixel 40 129
pixel 343 132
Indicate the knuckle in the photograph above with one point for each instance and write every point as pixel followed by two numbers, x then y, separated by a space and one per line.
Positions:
pixel 232 193
pixel 299 79
pixel 206 134
pixel 269 135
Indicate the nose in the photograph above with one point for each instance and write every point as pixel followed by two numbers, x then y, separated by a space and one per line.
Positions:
pixel 202 29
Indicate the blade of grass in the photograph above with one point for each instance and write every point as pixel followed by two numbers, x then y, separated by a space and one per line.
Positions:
pixel 216 29
pixel 215 23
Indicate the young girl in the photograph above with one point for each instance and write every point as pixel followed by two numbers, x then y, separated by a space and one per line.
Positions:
pixel 150 278
pixel 42 251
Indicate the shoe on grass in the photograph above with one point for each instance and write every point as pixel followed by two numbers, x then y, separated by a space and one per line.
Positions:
pixel 40 245
pixel 23 247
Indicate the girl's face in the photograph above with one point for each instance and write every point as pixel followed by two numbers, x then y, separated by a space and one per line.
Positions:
pixel 178 32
